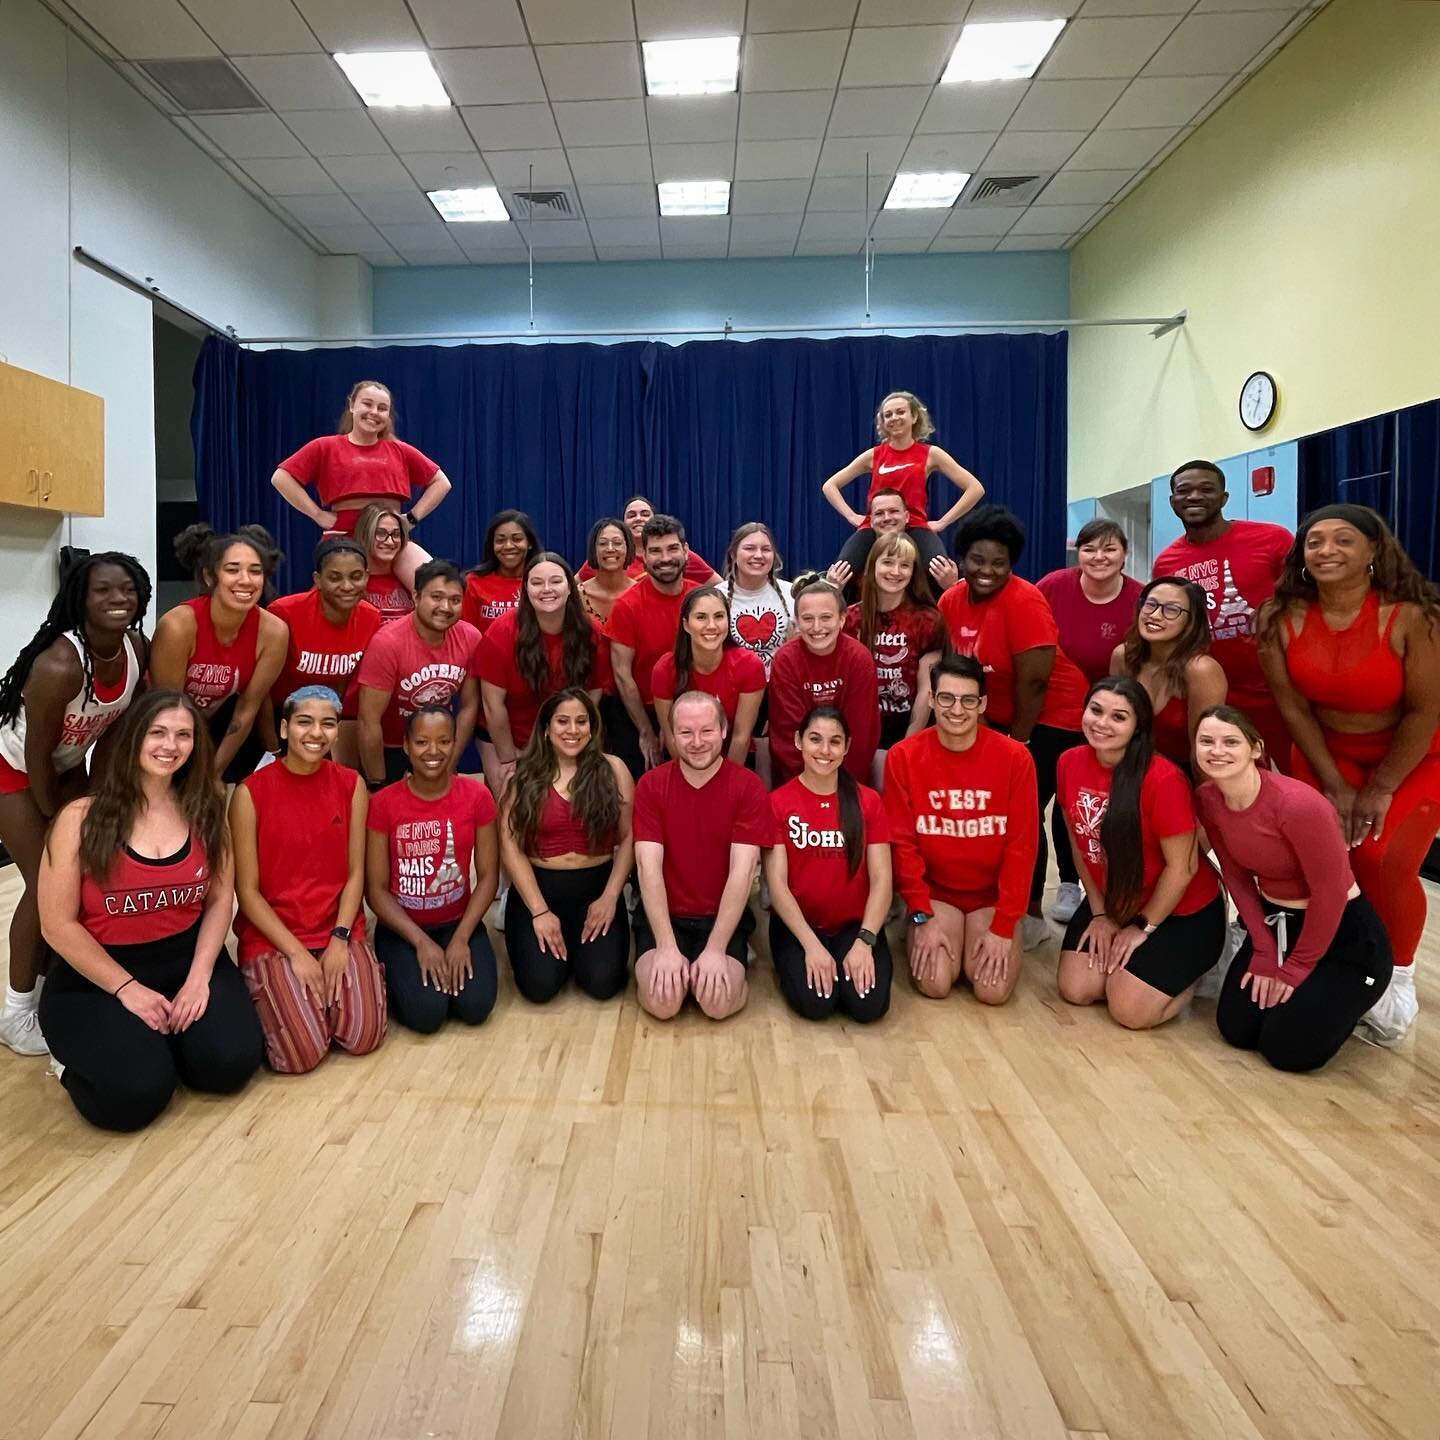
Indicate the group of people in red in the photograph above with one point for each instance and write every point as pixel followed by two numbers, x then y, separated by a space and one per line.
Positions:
pixel 615 751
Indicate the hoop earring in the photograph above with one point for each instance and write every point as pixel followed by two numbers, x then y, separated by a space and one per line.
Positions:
pixel 1305 576
pixel 1372 569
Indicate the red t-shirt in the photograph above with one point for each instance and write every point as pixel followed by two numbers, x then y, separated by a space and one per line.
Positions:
pixel 964 825
pixel 996 630
pixel 697 826
pixel 389 597
pixel 1089 632
pixel 215 672
pixel 413 673
pixel 497 665
pixel 342 470
pixel 488 597
pixel 1237 572
pixel 1167 808
pixel 902 639
pixel 320 653
pixel 697 568
pixel 902 470
pixel 800 680
pixel 818 873
pixel 302 841
pixel 740 672
pixel 647 622
pixel 141 901
pixel 431 844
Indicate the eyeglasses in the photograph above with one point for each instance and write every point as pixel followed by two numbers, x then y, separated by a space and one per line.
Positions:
pixel 1167 608
pixel 947 701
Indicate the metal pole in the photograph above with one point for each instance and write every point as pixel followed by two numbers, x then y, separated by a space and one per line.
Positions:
pixel 867 235
pixel 530 243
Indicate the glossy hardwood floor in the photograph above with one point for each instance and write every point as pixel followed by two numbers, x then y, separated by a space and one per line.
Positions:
pixel 574 1222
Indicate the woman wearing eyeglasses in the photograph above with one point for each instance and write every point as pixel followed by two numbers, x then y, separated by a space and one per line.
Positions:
pixel 381 531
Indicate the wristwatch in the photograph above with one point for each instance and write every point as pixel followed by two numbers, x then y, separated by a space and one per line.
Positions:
pixel 1142 923
pixel 868 936
pixel 920 917
pixel 341 932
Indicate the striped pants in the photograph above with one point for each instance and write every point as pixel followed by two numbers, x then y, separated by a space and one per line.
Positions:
pixel 298 1029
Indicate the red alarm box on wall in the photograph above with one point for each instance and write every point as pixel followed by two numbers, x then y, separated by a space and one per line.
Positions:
pixel 1262 480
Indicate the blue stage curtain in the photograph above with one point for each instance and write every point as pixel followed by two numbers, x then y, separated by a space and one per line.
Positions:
pixel 1351 464
pixel 1417 463
pixel 718 432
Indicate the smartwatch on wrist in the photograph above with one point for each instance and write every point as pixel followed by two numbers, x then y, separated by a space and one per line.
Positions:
pixel 1141 923
pixel 920 917
pixel 341 932
pixel 868 936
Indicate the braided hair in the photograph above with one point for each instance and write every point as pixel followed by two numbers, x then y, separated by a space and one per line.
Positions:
pixel 67 616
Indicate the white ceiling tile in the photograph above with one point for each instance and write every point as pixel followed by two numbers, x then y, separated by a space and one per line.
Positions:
pixel 881 111
pixel 1203 7
pixel 506 75
pixel 981 107
pixel 1084 187
pixel 760 249
pixel 565 255
pixel 483 237
pixel 448 256
pixel 834 225
pixel 694 230
pixel 983 221
pixel 987 11
pixel 601 122
pixel 636 230
pixel 750 228
pixel 578 22
pixel 381 258
pixel 800 60
pixel 688 19
pixel 1032 150
pixel 250 137
pixel 554 234
pixel 613 165
pixel 155 30
pixel 1119 149
pixel 258 27
pixel 843 192
pixel 591 72
pixel 1221 96
pixel 451 170
pixel 693 162
pixel 510 255
pixel 879 154
pixel 916 12
pixel 512 127
pixel 1216 44
pixel 1033 242
pixel 776 159
pixel 617 202
pixel 330 210
pixel 627 252
pixel 369 174
pixel 953 244
pixel 675 250
pixel 396 207
pixel 1065 104
pixel 1053 219
pixel 1104 9
pixel 299 82
pixel 1157 103
pixel 902 245
pixel 691 119
pixel 347 239
pixel 523 168
pixel 430 234
pixel 290 177
pixel 816 246
pixel 361 24
pixel 899 55
pixel 768 197
pixel 947 152
pixel 770 15
pixel 784 114
pixel 452 23
pixel 1100 49
pixel 336 132
pixel 908 224
pixel 422 131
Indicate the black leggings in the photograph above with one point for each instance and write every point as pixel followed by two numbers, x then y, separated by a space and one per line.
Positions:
pixel 601 967
pixel 789 957
pixel 1047 745
pixel 414 1003
pixel 622 739
pixel 1304 1032
pixel 118 1071
pixel 856 550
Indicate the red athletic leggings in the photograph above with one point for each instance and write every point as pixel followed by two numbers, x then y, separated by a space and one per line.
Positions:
pixel 1388 868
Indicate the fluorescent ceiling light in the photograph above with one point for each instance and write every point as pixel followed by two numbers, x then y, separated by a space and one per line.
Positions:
pixel 394 77
pixel 927 190
pixel 1006 50
pixel 692 67
pixel 483 203
pixel 694 197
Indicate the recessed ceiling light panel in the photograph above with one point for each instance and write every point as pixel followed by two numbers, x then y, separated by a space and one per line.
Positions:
pixel 926 190
pixel 694 197
pixel 1004 50
pixel 468 206
pixel 394 78
pixel 692 67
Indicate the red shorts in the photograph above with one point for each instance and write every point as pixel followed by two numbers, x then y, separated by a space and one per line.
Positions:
pixel 345 523
pixel 12 781
pixel 966 901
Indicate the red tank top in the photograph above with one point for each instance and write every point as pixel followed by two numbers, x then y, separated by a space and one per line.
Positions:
pixel 141 901
pixel 902 470
pixel 1353 670
pixel 561 832
pixel 1171 731
pixel 216 671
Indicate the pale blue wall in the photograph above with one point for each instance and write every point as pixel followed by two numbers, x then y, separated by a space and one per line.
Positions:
pixel 906 292
pixel 1279 507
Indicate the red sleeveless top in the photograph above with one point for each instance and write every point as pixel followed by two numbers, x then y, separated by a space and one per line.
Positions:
pixel 562 832
pixel 1353 670
pixel 141 901
pixel 217 671
pixel 1171 731
pixel 902 470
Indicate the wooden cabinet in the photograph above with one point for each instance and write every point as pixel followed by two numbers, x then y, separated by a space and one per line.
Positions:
pixel 52 445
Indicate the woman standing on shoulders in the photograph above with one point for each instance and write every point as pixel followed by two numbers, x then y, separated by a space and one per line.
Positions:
pixel 1316 956
pixel 1351 648
pixel 492 588
pixel 135 898
pixel 382 534
pixel 364 462
pixel 608 557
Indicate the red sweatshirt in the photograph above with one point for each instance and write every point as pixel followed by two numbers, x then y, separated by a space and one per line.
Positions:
pixel 799 681
pixel 964 825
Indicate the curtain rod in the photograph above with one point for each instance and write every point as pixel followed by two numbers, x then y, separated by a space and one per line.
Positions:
pixel 1160 325
pixel 150 289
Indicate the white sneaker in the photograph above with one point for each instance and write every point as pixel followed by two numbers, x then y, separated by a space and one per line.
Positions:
pixel 1033 931
pixel 1067 902
pixel 20 1030
pixel 1389 1019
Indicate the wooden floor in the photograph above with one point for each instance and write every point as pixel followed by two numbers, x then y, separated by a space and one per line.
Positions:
pixel 574 1222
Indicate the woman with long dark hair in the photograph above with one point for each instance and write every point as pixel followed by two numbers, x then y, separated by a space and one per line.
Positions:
pixel 1153 920
pixel 492 588
pixel 136 890
pixel 66 690
pixel 830 882
pixel 381 533
pixel 705 658
pixel 566 844
pixel 1351 647
pixel 609 555
pixel 1315 955
pixel 1167 649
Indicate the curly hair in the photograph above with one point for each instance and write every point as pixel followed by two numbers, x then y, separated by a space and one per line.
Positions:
pixel 578 643
pixel 1193 640
pixel 990 522
pixel 200 550
pixel 924 426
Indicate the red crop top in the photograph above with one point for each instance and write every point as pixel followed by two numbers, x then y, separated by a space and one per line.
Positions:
pixel 561 832
pixel 1353 670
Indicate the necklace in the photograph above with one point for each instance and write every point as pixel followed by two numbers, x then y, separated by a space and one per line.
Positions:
pixel 104 659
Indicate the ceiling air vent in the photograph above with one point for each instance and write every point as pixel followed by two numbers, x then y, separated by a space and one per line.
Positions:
pixel 200 86
pixel 1004 189
pixel 541 204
